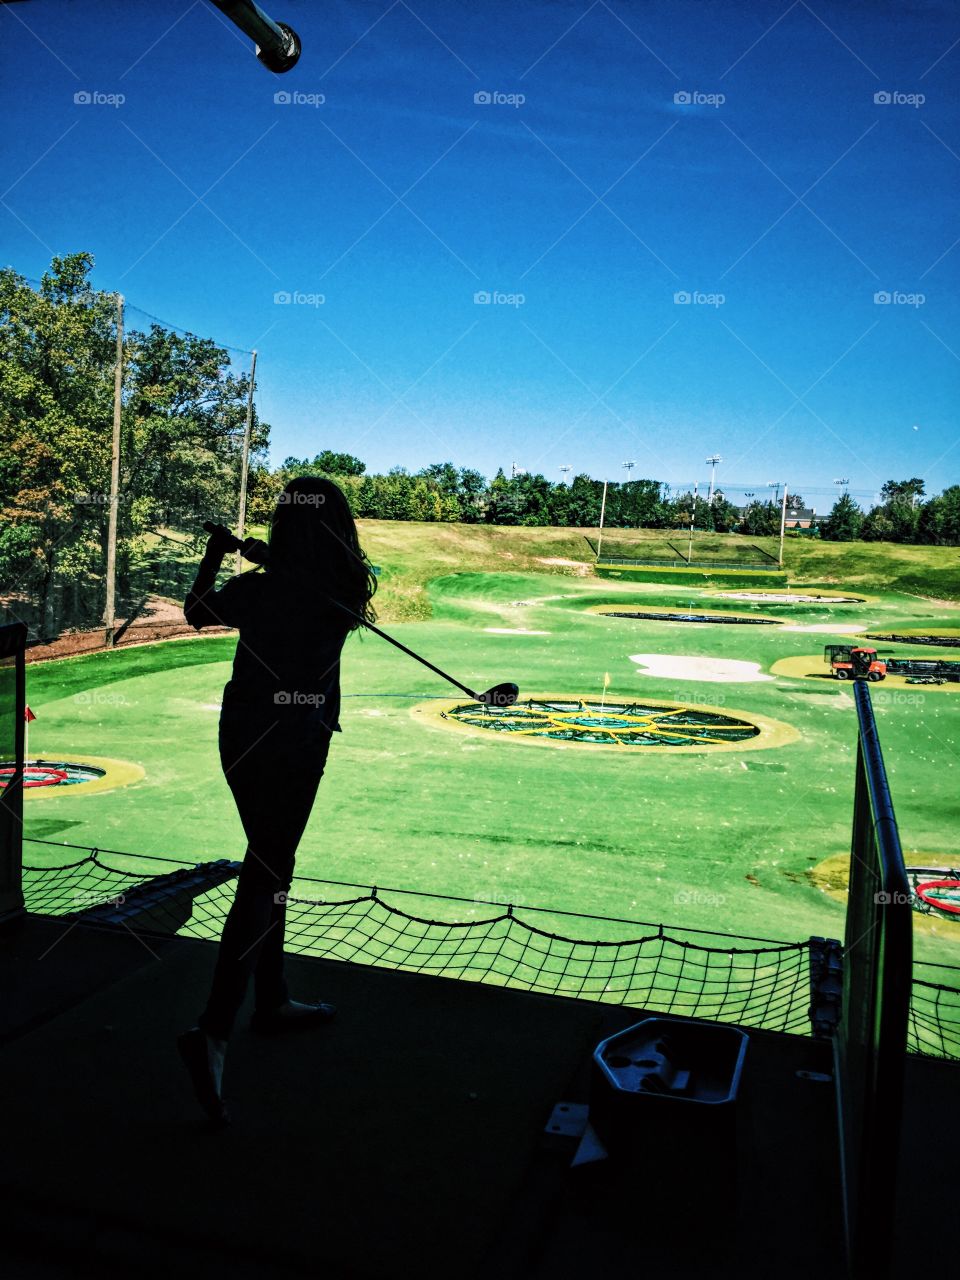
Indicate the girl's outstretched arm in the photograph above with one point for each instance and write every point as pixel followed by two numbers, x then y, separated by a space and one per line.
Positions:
pixel 200 607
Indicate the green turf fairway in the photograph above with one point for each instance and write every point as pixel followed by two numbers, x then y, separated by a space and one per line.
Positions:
pixel 718 842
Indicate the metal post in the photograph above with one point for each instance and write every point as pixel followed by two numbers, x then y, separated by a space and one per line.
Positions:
pixel 245 459
pixel 277 45
pixel 603 507
pixel 712 464
pixel 109 610
pixel 693 516
pixel 783 522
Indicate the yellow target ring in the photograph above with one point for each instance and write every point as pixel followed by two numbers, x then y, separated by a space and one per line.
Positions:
pixel 647 724
pixel 111 774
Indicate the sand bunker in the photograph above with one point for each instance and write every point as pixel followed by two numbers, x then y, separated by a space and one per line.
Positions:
pixel 582 566
pixel 831 628
pixel 669 666
pixel 788 597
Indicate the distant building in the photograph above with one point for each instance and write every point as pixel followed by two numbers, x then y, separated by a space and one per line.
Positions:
pixel 800 517
pixel 797 517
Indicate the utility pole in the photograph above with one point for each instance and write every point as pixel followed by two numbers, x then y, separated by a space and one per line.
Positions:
pixel 712 463
pixel 693 516
pixel 564 471
pixel 245 458
pixel 110 605
pixel 783 523
pixel 603 507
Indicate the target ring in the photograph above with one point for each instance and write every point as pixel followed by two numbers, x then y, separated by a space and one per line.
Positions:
pixel 613 724
pixel 79 775
pixel 935 891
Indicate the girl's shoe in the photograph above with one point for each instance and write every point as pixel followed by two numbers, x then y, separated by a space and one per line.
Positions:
pixel 292 1016
pixel 205 1066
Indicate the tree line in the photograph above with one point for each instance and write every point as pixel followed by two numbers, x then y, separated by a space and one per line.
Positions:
pixel 182 421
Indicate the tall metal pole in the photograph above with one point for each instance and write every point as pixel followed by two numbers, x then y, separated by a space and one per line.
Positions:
pixel 603 507
pixel 109 609
pixel 245 459
pixel 783 522
pixel 712 464
pixel 693 516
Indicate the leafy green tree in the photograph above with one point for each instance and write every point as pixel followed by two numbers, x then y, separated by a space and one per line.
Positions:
pixel 844 522
pixel 877 526
pixel 584 502
pixel 331 463
pixel 503 506
pixel 939 519
pixel 909 490
pixel 725 515
pixel 56 394
pixel 471 494
pixel 761 520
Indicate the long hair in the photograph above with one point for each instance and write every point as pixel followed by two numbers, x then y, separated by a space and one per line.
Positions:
pixel 313 540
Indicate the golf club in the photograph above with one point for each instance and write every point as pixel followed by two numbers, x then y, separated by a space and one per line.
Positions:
pixel 500 695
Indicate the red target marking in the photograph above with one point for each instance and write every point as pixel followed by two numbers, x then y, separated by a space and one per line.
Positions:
pixel 34 776
pixel 925 893
pixel 50 773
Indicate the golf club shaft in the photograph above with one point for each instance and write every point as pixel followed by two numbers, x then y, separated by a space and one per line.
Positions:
pixel 238 546
pixel 403 648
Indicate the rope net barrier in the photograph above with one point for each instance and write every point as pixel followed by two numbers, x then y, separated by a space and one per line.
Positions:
pixel 760 983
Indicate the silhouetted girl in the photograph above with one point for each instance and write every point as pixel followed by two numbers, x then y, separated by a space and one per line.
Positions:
pixel 280 709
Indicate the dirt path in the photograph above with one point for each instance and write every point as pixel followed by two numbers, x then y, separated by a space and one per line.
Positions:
pixel 161 620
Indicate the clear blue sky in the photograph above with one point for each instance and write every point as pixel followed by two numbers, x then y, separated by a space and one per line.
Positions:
pixel 600 197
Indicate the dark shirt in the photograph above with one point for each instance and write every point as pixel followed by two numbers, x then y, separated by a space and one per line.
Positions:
pixel 287 662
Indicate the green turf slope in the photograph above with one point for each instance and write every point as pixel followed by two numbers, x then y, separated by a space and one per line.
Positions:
pixel 718 842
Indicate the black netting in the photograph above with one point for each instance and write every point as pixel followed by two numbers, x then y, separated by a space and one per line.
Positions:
pixel 664 969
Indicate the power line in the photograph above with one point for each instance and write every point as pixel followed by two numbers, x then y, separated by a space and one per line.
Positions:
pixel 166 324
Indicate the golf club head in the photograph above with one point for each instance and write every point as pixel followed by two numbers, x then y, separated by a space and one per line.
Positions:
pixel 501 695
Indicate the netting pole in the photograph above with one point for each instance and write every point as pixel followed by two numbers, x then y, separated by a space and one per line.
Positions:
pixel 245 459
pixel 693 518
pixel 603 507
pixel 783 523
pixel 109 609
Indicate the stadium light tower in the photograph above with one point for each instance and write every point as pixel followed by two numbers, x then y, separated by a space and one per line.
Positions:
pixel 712 463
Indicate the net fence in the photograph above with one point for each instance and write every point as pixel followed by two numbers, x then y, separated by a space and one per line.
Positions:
pixel 753 982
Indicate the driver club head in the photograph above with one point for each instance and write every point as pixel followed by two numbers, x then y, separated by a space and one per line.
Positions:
pixel 501 695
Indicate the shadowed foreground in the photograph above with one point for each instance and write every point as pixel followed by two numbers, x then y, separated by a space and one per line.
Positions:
pixel 405 1139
